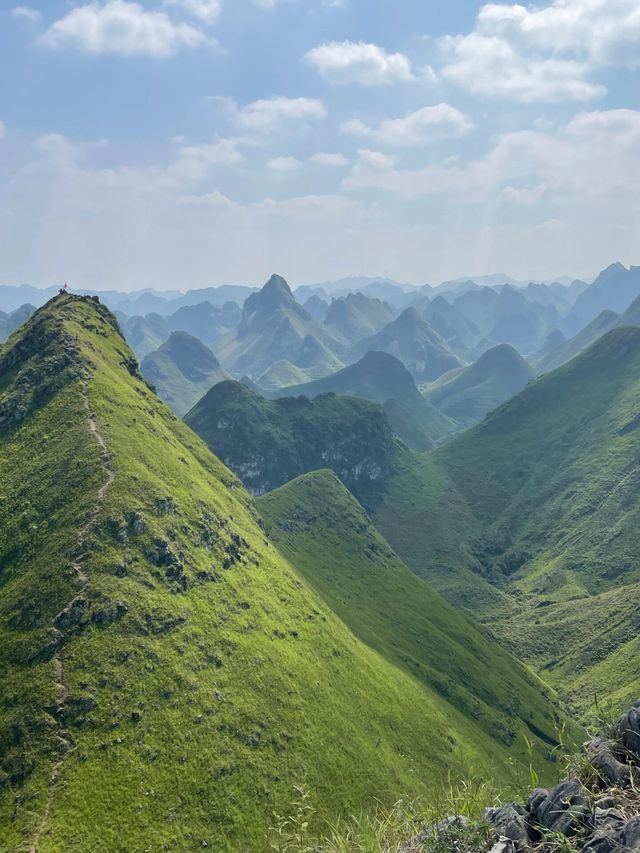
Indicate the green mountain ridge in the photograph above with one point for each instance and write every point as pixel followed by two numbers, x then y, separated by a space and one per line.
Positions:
pixel 383 379
pixel 267 443
pixel 411 340
pixel 161 660
pixel 539 504
pixel 468 394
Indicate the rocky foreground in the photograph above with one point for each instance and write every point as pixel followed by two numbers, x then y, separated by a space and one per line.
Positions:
pixel 596 810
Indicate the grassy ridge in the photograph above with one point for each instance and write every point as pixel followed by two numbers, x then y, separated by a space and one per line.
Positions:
pixel 203 675
pixel 327 535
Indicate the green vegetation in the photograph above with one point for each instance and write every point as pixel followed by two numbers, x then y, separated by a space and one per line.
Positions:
pixel 182 370
pixel 161 661
pixel 539 503
pixel 267 443
pixel 322 530
pixel 383 379
pixel 468 394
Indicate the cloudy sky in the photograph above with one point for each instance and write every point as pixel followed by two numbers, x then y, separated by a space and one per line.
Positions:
pixel 183 143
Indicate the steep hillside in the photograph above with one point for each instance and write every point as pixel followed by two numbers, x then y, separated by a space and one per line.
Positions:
pixel 182 370
pixel 383 379
pixel 566 350
pixel 160 660
pixel 274 327
pixel 267 443
pixel 468 394
pixel 540 501
pixel 356 316
pixel 604 322
pixel 411 340
pixel 320 527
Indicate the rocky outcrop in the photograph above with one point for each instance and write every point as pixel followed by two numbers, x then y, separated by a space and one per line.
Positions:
pixel 597 810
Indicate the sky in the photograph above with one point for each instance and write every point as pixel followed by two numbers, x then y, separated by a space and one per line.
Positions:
pixel 187 143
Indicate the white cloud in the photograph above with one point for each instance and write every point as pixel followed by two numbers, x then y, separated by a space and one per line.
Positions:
pixel 122 27
pixel 273 112
pixel 195 162
pixel 325 159
pixel 283 164
pixel 27 14
pixel 588 163
pixel 3 130
pixel 544 53
pixel 358 62
pixel 204 10
pixel 417 128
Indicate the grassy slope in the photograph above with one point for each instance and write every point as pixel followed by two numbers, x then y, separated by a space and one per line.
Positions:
pixel 541 500
pixel 224 681
pixel 471 393
pixel 383 379
pixel 327 535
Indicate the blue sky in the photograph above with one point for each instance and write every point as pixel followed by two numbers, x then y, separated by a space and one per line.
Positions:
pixel 183 143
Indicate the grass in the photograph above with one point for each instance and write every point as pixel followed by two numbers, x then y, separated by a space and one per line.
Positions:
pixel 208 676
pixel 533 515
pixel 267 443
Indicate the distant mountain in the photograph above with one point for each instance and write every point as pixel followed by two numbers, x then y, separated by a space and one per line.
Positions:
pixel 143 334
pixel 182 370
pixel 281 374
pixel 317 307
pixel 567 349
pixel 459 332
pixel 356 316
pixel 614 290
pixel 468 394
pixel 205 321
pixel 13 320
pixel 269 442
pixel 274 327
pixel 505 316
pixel 217 296
pixel 603 323
pixel 13 297
pixel 383 379
pixel 412 340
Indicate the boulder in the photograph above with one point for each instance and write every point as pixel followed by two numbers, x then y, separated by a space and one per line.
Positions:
pixel 611 771
pixel 565 809
pixel 628 729
pixel 510 822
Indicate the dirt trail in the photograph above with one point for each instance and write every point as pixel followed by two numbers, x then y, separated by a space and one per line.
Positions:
pixel 65 741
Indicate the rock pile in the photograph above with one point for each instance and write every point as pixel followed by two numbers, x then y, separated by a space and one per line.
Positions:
pixel 597 811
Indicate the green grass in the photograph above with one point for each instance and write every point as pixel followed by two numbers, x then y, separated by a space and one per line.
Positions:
pixel 198 693
pixel 267 443
pixel 540 502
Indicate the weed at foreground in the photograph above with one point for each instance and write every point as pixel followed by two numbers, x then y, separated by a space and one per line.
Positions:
pixel 389 830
